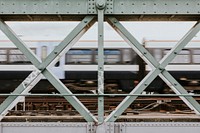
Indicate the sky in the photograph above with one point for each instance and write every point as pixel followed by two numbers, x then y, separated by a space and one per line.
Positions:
pixel 140 30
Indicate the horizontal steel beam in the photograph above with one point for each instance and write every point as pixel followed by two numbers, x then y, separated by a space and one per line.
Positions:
pixel 100 95
pixel 58 10
pixel 63 127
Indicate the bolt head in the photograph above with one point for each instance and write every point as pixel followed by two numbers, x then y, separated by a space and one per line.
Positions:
pixel 100 4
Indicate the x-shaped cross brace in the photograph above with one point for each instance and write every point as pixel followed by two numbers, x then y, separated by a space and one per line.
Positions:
pixel 158 68
pixel 42 68
pixel 67 43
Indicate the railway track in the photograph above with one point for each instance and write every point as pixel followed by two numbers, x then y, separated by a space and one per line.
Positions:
pixel 154 108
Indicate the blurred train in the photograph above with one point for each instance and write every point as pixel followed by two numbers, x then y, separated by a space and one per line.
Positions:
pixel 77 69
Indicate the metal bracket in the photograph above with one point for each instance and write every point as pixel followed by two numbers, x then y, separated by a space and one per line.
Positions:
pixel 122 128
pixel 90 128
pixel 110 127
pixel 93 6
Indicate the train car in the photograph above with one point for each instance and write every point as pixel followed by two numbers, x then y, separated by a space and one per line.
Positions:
pixel 15 67
pixel 77 69
pixel 185 67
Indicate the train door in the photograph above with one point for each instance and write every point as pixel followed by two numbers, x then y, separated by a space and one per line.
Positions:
pixel 57 69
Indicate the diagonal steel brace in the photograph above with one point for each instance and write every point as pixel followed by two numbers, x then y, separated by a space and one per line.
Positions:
pixel 157 68
pixel 42 68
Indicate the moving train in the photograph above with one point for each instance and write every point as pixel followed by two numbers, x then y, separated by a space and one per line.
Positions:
pixel 77 69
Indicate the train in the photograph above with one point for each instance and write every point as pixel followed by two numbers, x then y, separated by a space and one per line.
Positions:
pixel 77 68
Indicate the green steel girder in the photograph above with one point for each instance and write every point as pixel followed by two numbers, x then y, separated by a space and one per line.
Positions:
pixel 58 10
pixel 85 7
pixel 33 78
pixel 157 68
pixel 100 65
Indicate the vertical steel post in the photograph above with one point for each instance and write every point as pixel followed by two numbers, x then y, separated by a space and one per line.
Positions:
pixel 100 6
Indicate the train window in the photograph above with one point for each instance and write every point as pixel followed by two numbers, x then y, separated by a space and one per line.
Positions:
pixel 111 56
pixel 16 56
pixel 196 56
pixel 182 57
pixel 3 55
pixel 44 53
pixel 76 56
pixel 3 51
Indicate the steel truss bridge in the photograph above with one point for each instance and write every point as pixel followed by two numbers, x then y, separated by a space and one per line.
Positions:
pixel 88 12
